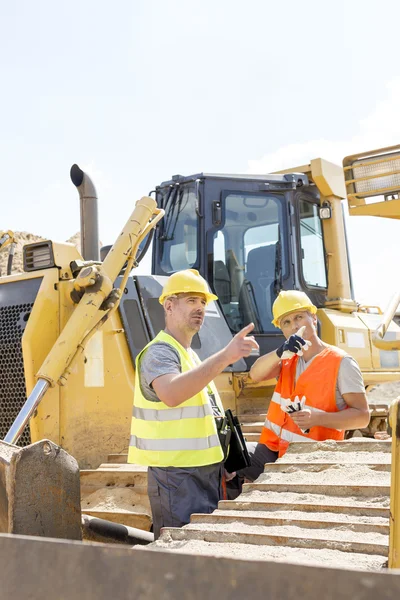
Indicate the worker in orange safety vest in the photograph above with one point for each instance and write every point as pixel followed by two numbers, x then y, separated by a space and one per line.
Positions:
pixel 320 391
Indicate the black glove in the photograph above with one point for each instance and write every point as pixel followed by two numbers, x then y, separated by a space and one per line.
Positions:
pixel 294 344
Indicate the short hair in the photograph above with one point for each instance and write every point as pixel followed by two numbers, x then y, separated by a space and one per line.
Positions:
pixel 173 296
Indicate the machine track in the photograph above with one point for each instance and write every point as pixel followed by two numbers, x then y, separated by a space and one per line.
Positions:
pixel 324 503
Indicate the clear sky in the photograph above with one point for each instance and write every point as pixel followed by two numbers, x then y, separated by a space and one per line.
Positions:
pixel 135 91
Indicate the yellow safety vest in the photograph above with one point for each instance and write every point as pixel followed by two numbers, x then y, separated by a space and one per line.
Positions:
pixel 183 436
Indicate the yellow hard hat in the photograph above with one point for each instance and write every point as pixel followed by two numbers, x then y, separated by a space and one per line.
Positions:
pixel 291 301
pixel 184 282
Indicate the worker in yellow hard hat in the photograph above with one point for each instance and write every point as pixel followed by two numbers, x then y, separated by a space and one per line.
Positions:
pixel 177 407
pixel 320 391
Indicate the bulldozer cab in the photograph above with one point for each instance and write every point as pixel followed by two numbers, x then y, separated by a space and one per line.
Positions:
pixel 250 237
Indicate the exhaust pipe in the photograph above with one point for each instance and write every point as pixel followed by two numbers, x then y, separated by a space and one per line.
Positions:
pixel 89 213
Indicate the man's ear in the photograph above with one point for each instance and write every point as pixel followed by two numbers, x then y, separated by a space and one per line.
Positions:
pixel 168 306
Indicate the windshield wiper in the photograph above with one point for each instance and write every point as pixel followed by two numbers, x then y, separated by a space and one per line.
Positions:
pixel 278 265
pixel 169 208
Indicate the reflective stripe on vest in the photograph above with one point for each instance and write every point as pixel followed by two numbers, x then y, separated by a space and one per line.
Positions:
pixel 288 436
pixel 175 445
pixel 182 436
pixel 174 414
pixel 318 384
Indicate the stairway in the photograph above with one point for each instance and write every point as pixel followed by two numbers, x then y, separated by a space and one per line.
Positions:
pixel 117 492
pixel 323 503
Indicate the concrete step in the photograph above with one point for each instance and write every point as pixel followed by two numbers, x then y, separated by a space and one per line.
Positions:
pixel 354 445
pixel 350 475
pixel 292 536
pixel 332 490
pixel 301 495
pixel 114 475
pixel 285 554
pixel 252 418
pixel 275 502
pixel 323 501
pixel 118 493
pixel 330 464
pixel 336 458
pixel 317 520
pixel 255 427
pixel 252 437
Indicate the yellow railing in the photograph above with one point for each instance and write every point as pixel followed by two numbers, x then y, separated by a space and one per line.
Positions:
pixel 371 174
pixel 380 332
pixel 394 535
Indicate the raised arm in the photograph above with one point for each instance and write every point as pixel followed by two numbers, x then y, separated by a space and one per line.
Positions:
pixel 266 367
pixel 174 389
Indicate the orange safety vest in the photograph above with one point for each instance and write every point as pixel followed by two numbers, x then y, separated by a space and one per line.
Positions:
pixel 318 384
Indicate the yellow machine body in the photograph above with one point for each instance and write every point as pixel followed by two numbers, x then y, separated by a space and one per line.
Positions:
pixel 87 409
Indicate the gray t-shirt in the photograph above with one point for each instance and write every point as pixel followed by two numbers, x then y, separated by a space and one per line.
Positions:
pixel 349 379
pixel 161 359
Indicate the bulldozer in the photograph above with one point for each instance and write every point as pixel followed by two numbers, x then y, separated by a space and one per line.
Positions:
pixel 72 326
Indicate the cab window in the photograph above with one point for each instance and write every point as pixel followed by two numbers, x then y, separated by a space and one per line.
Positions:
pixel 179 234
pixel 312 246
pixel 249 258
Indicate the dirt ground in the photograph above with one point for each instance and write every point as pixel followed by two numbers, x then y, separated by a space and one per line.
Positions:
pixel 385 392
pixel 23 237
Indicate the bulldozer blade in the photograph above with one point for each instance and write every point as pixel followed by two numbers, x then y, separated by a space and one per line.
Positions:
pixel 39 491
pixel 54 569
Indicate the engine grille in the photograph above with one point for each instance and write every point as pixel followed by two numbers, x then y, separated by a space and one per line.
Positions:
pixel 13 320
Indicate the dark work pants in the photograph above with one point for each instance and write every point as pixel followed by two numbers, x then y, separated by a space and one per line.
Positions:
pixel 176 493
pixel 260 455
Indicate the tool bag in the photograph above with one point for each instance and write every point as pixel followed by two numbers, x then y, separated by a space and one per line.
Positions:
pixel 232 442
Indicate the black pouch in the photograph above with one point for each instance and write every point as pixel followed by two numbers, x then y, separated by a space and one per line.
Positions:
pixel 224 434
pixel 238 457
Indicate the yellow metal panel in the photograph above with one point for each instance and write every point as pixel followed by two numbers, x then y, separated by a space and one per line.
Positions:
pixel 90 422
pixel 95 421
pixel 388 209
pixel 352 333
pixel 382 358
pixel 40 334
pixel 64 254
pixel 328 178
pixel 94 361
pixel 224 385
pixel 349 333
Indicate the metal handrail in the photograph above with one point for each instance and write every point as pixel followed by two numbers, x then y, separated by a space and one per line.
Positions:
pixel 380 331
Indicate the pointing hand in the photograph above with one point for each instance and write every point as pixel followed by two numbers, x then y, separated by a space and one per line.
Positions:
pixel 241 345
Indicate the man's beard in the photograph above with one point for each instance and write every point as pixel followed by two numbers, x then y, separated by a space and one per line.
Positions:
pixel 195 322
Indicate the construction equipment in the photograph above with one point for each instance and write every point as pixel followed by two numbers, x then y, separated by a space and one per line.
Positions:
pixel 7 239
pixel 249 237
pixel 89 299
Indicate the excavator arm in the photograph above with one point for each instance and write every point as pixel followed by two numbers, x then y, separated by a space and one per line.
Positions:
pixel 98 300
pixel 39 483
